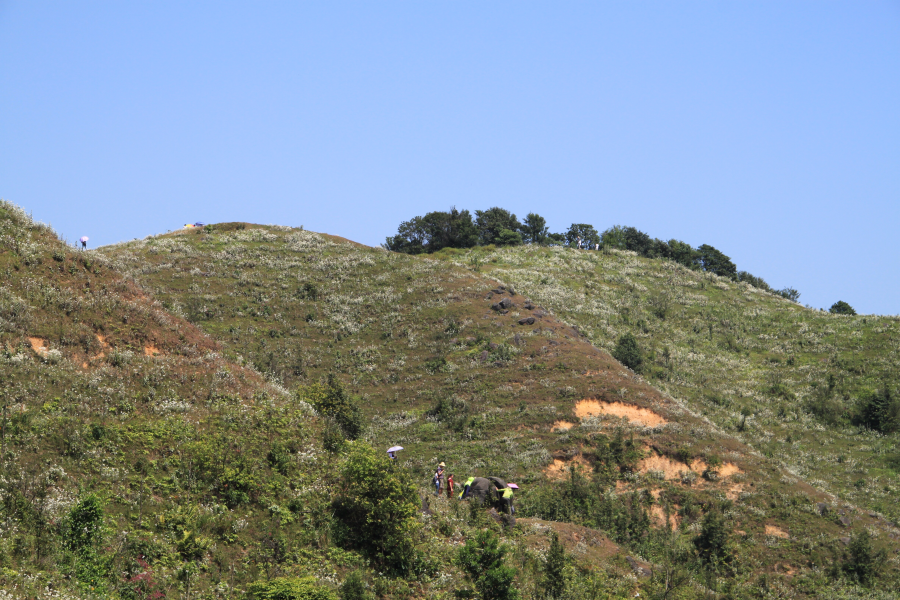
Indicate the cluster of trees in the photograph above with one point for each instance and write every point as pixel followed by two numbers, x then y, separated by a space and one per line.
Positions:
pixel 458 229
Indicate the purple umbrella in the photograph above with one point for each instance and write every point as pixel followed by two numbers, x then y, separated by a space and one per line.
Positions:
pixel 512 485
pixel 395 448
pixel 83 239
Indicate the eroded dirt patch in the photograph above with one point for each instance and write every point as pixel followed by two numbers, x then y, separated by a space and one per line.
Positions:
pixel 559 468
pixel 776 531
pixel 672 469
pixel 635 414
pixel 39 345
pixel 151 350
pixel 658 515
pixel 734 491
pixel 563 425
pixel 729 469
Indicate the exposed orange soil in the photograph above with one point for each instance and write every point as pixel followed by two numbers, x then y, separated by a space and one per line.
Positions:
pixel 151 350
pixel 563 425
pixel 39 345
pixel 659 517
pixel 734 491
pixel 559 469
pixel 102 340
pixel 670 468
pixel 729 469
pixel 776 531
pixel 635 414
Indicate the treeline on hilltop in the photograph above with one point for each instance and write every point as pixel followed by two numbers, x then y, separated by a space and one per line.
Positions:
pixel 457 229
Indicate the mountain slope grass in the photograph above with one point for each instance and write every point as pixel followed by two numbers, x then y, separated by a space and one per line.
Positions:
pixel 789 380
pixel 159 440
pixel 441 367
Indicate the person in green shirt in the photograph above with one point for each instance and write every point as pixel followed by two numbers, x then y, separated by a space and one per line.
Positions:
pixel 465 490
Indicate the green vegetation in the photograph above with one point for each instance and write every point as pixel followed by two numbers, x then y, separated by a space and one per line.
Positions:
pixel 841 308
pixel 483 560
pixel 204 414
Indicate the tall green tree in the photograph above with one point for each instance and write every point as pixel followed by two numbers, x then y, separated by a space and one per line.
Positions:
pixel 482 559
pixel 555 568
pixel 714 261
pixel 534 229
pixel 685 254
pixel 629 353
pixel 614 238
pixel 586 233
pixel 333 402
pixel 493 221
pixel 637 241
pixel 411 238
pixel 841 308
pixel 434 231
pixel 376 508
pixel 452 229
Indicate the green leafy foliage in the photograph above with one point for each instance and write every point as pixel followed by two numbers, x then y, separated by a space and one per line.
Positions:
pixel 862 561
pixel 629 353
pixel 289 588
pixel 555 564
pixel 354 587
pixel 712 542
pixel 375 509
pixel 715 261
pixel 534 229
pixel 841 308
pixel 482 558
pixel 584 232
pixel 84 525
pixel 492 222
pixel 880 410
pixel 332 401
pixel 433 232
pixel 508 237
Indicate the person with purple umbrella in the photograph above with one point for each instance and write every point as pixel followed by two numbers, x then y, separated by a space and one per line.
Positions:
pixel 84 240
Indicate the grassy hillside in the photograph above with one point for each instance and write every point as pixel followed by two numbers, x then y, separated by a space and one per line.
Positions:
pixel 159 440
pixel 442 373
pixel 786 379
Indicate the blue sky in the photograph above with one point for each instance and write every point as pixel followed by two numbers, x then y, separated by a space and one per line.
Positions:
pixel 770 130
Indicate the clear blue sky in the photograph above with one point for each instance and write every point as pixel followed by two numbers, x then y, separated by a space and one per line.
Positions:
pixel 770 130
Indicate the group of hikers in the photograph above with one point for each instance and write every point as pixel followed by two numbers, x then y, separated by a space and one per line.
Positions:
pixel 492 490
pixel 482 489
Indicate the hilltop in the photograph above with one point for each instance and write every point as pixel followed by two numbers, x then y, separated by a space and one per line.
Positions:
pixel 191 385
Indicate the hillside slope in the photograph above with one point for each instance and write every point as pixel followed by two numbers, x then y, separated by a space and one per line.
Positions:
pixel 783 378
pixel 441 372
pixel 130 447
